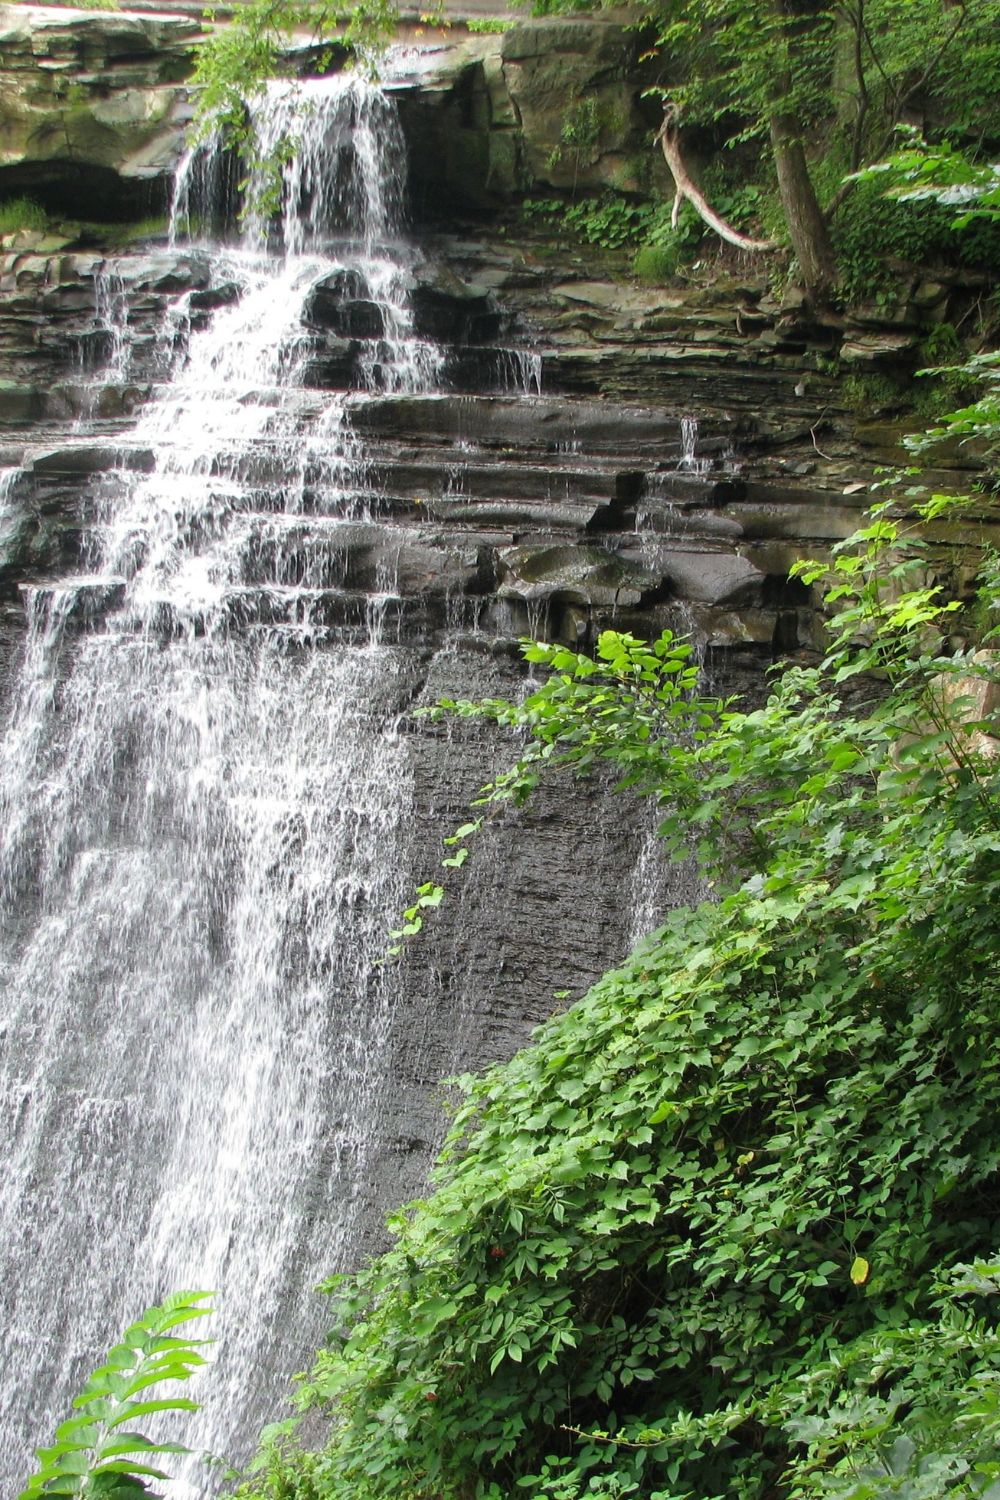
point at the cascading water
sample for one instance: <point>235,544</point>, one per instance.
<point>201,813</point>
<point>8,479</point>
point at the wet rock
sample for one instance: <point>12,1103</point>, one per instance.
<point>327,298</point>
<point>165,271</point>
<point>444,308</point>
<point>573,575</point>
<point>19,403</point>
<point>207,299</point>
<point>358,320</point>
<point>331,363</point>
<point>90,458</point>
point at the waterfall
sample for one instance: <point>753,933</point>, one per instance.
<point>8,479</point>
<point>691,462</point>
<point>200,845</point>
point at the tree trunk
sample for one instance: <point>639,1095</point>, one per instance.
<point>807,228</point>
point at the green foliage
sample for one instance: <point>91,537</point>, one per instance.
<point>872,229</point>
<point>702,1238</point>
<point>610,222</point>
<point>872,393</point>
<point>979,419</point>
<point>428,896</point>
<point>852,70</point>
<point>615,222</point>
<point>741,61</point>
<point>914,1408</point>
<point>656,264</point>
<point>488,25</point>
<point>940,343</point>
<point>940,174</point>
<point>579,133</point>
<point>967,194</point>
<point>98,1452</point>
<point>21,213</point>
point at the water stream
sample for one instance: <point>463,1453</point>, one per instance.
<point>200,845</point>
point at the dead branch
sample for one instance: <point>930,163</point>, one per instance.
<point>668,136</point>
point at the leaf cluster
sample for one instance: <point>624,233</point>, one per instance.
<point>99,1452</point>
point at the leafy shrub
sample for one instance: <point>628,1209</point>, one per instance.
<point>610,222</point>
<point>660,230</point>
<point>21,213</point>
<point>871,228</point>
<point>615,222</point>
<point>96,1453</point>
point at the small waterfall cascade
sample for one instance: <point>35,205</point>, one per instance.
<point>657,884</point>
<point>667,487</point>
<point>200,847</point>
<point>8,478</point>
<point>690,461</point>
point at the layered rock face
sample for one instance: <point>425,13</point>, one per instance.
<point>599,454</point>
<point>693,444</point>
<point>91,120</point>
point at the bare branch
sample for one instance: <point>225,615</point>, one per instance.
<point>668,136</point>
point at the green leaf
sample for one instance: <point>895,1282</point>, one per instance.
<point>430,1313</point>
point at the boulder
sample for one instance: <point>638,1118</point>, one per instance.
<point>711,577</point>
<point>584,575</point>
<point>462,130</point>
<point>970,702</point>
<point>877,348</point>
<point>446,309</point>
<point>573,86</point>
<point>92,118</point>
